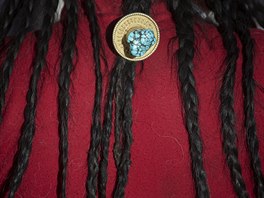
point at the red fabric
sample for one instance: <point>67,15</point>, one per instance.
<point>160,152</point>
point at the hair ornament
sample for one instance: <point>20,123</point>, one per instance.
<point>136,36</point>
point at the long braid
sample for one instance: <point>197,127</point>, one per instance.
<point>249,92</point>
<point>66,66</point>
<point>8,64</point>
<point>223,12</point>
<point>128,74</point>
<point>128,7</point>
<point>107,126</point>
<point>119,105</point>
<point>93,166</point>
<point>125,159</point>
<point>183,17</point>
<point>125,104</point>
<point>28,129</point>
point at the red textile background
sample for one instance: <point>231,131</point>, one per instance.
<point>160,152</point>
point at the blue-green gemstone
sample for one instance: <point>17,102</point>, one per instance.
<point>140,41</point>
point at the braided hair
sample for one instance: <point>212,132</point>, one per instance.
<point>93,166</point>
<point>28,129</point>
<point>224,14</point>
<point>183,17</point>
<point>66,66</point>
<point>8,64</point>
<point>123,75</point>
<point>231,18</point>
<point>244,35</point>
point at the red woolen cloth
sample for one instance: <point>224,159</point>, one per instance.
<point>161,165</point>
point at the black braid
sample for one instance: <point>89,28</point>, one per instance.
<point>249,92</point>
<point>128,7</point>
<point>93,166</point>
<point>183,18</point>
<point>119,105</point>
<point>8,64</point>
<point>66,66</point>
<point>224,12</point>
<point>28,129</point>
<point>107,126</point>
<point>125,159</point>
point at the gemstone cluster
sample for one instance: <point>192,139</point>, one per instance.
<point>140,41</point>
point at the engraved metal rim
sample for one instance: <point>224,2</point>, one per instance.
<point>156,31</point>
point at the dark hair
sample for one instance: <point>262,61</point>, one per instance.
<point>256,10</point>
<point>68,49</point>
<point>231,17</point>
<point>93,166</point>
<point>183,17</point>
<point>223,11</point>
<point>234,17</point>
<point>13,48</point>
<point>241,28</point>
<point>28,129</point>
<point>122,85</point>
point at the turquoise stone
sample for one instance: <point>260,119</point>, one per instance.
<point>140,41</point>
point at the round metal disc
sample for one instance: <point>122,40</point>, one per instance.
<point>131,22</point>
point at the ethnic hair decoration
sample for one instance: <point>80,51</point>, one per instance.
<point>136,36</point>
